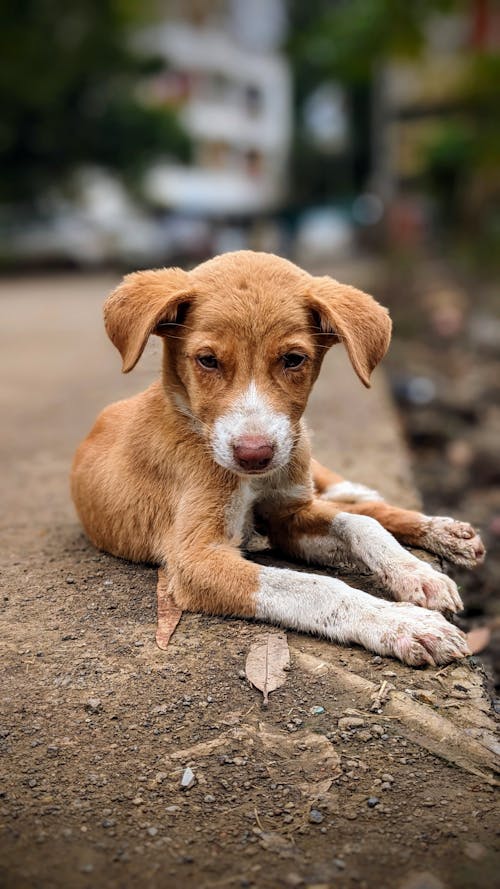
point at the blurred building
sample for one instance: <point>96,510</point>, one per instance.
<point>415,97</point>
<point>232,87</point>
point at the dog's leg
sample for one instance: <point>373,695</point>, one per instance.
<point>456,541</point>
<point>330,535</point>
<point>330,486</point>
<point>213,577</point>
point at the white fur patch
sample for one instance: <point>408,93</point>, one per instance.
<point>239,525</point>
<point>361,541</point>
<point>251,414</point>
<point>329,607</point>
<point>350,492</point>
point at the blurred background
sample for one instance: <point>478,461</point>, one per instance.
<point>344,134</point>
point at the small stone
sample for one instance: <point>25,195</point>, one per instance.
<point>171,810</point>
<point>350,722</point>
<point>108,822</point>
<point>340,863</point>
<point>372,801</point>
<point>377,660</point>
<point>152,831</point>
<point>209,798</point>
<point>386,785</point>
<point>293,880</point>
<point>70,580</point>
<point>241,674</point>
<point>93,705</point>
<point>387,777</point>
<point>137,801</point>
<point>377,730</point>
<point>365,736</point>
<point>188,779</point>
<point>315,816</point>
<point>316,711</point>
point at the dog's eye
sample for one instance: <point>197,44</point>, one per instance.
<point>293,360</point>
<point>209,362</point>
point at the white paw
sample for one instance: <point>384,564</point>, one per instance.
<point>417,636</point>
<point>350,492</point>
<point>417,582</point>
<point>456,541</point>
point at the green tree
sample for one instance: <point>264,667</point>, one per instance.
<point>68,77</point>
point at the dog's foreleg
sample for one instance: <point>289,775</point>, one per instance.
<point>329,535</point>
<point>216,579</point>
<point>456,541</point>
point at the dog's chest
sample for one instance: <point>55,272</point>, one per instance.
<point>239,514</point>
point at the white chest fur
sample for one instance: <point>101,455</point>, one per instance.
<point>239,514</point>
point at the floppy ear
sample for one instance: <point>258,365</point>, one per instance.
<point>137,307</point>
<point>354,318</point>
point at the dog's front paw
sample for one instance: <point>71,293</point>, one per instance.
<point>419,637</point>
<point>456,541</point>
<point>420,584</point>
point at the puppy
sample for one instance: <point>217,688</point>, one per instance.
<point>180,474</point>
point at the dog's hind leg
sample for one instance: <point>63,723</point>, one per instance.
<point>331,486</point>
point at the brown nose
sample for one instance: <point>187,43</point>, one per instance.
<point>253,452</point>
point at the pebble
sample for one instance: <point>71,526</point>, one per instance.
<point>365,736</point>
<point>316,711</point>
<point>348,722</point>
<point>188,779</point>
<point>387,777</point>
<point>93,705</point>
<point>209,798</point>
<point>171,810</point>
<point>372,801</point>
<point>152,831</point>
<point>315,816</point>
<point>108,822</point>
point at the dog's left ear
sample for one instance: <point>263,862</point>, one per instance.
<point>353,318</point>
<point>139,306</point>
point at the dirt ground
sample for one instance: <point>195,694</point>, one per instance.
<point>97,725</point>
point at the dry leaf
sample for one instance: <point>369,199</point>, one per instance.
<point>169,614</point>
<point>266,663</point>
<point>478,639</point>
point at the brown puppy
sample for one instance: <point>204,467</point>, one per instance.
<point>177,474</point>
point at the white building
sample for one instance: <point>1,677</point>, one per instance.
<point>232,89</point>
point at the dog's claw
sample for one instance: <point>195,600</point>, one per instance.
<point>419,637</point>
<point>420,584</point>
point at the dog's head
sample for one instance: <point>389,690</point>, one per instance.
<point>245,335</point>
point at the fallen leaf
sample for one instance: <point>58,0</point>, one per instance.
<point>478,639</point>
<point>169,614</point>
<point>266,663</point>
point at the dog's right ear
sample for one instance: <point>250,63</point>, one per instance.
<point>139,305</point>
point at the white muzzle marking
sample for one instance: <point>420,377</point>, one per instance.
<point>251,414</point>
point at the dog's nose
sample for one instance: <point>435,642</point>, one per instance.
<point>253,452</point>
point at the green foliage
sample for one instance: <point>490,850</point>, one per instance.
<point>346,39</point>
<point>67,82</point>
